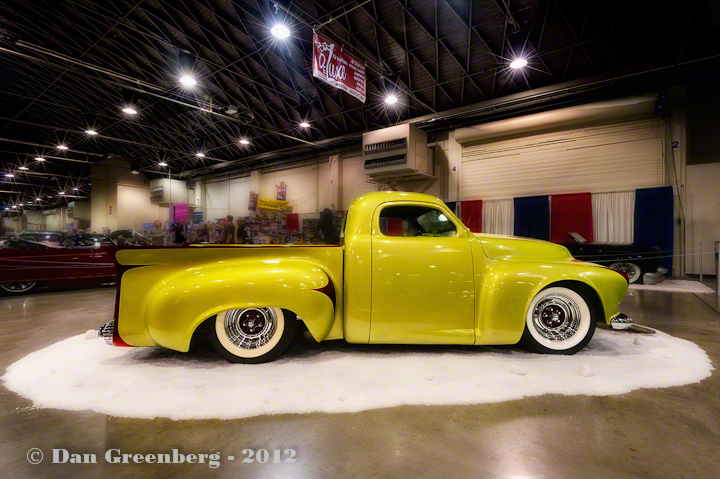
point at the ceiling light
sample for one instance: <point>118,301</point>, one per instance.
<point>244,142</point>
<point>49,196</point>
<point>75,189</point>
<point>129,110</point>
<point>188,81</point>
<point>62,147</point>
<point>305,124</point>
<point>200,154</point>
<point>162,163</point>
<point>39,158</point>
<point>91,132</point>
<point>518,63</point>
<point>37,199</point>
<point>23,168</point>
<point>61,193</point>
<point>280,31</point>
<point>13,206</point>
<point>9,175</point>
<point>391,99</point>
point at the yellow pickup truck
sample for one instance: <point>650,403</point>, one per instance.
<point>407,271</point>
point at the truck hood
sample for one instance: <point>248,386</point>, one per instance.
<point>513,247</point>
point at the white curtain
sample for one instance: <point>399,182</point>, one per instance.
<point>498,216</point>
<point>613,217</point>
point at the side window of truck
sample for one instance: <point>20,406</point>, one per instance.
<point>413,220</point>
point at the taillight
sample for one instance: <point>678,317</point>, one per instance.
<point>624,275</point>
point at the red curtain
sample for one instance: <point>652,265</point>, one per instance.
<point>394,227</point>
<point>472,215</point>
<point>570,213</point>
<point>293,222</point>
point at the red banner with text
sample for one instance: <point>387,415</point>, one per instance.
<point>339,69</point>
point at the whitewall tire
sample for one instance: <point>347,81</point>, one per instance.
<point>19,287</point>
<point>558,321</point>
<point>633,271</point>
<point>252,335</point>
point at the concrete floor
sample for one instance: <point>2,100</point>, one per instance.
<point>656,433</point>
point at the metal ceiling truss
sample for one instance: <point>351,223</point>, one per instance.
<point>73,57</point>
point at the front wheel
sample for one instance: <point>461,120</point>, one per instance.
<point>19,287</point>
<point>252,335</point>
<point>559,321</point>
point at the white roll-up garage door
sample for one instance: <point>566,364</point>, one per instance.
<point>616,156</point>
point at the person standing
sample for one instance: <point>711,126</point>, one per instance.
<point>326,230</point>
<point>228,234</point>
<point>157,234</point>
<point>179,235</point>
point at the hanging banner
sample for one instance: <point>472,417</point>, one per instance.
<point>271,204</point>
<point>339,69</point>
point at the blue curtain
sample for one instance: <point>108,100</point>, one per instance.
<point>532,217</point>
<point>654,220</point>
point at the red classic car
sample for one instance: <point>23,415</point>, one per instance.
<point>26,265</point>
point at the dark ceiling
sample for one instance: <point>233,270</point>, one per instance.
<point>64,63</point>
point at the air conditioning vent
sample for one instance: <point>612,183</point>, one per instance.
<point>385,161</point>
<point>383,145</point>
<point>397,154</point>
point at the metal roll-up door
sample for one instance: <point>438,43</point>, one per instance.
<point>615,156</point>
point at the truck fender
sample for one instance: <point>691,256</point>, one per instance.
<point>180,301</point>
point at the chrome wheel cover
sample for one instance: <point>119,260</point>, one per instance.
<point>250,328</point>
<point>556,317</point>
<point>19,287</point>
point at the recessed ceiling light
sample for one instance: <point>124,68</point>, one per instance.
<point>518,63</point>
<point>200,154</point>
<point>391,99</point>
<point>9,175</point>
<point>61,193</point>
<point>37,199</point>
<point>13,206</point>
<point>130,110</point>
<point>162,163</point>
<point>280,31</point>
<point>244,142</point>
<point>91,132</point>
<point>62,147</point>
<point>39,158</point>
<point>23,168</point>
<point>304,124</point>
<point>75,189</point>
<point>188,81</point>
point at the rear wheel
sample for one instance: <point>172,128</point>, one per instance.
<point>252,335</point>
<point>633,271</point>
<point>559,321</point>
<point>19,287</point>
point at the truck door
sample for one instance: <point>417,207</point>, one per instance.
<point>422,277</point>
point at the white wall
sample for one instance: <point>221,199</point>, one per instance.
<point>703,215</point>
<point>227,197</point>
<point>134,208</point>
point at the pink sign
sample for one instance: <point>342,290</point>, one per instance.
<point>181,212</point>
<point>339,69</point>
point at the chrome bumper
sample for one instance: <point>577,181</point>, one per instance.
<point>106,332</point>
<point>621,321</point>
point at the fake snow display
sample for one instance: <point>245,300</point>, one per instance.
<point>675,286</point>
<point>80,373</point>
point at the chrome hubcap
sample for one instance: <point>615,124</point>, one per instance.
<point>250,328</point>
<point>556,317</point>
<point>18,287</point>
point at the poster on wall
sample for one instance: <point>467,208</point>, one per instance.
<point>337,68</point>
<point>181,212</point>
<point>252,203</point>
<point>281,191</point>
